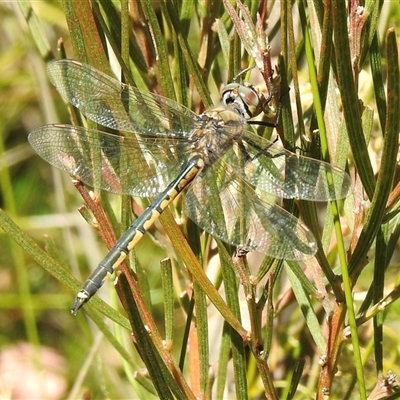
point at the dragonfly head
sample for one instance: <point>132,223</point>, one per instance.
<point>244,98</point>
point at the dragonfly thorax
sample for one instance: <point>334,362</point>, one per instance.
<point>219,127</point>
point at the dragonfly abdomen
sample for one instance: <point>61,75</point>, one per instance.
<point>135,232</point>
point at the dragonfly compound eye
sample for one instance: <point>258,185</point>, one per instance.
<point>244,97</point>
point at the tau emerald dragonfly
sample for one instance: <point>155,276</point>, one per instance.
<point>229,172</point>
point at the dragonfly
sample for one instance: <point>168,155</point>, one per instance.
<point>231,175</point>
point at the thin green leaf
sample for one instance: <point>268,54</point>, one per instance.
<point>303,299</point>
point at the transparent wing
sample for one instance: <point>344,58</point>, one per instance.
<point>135,166</point>
<point>271,168</point>
<point>111,103</point>
<point>224,205</point>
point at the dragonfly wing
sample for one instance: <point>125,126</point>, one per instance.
<point>273,169</point>
<point>118,106</point>
<point>139,167</point>
<point>226,206</point>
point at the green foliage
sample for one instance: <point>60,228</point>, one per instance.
<point>204,323</point>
